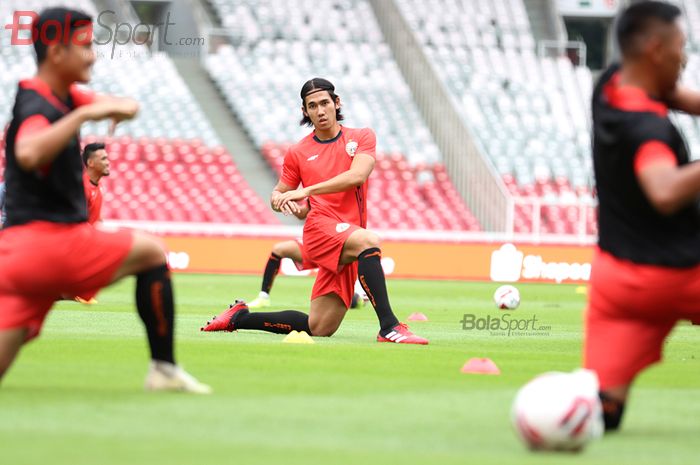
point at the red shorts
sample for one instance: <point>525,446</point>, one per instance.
<point>323,244</point>
<point>306,263</point>
<point>42,261</point>
<point>631,310</point>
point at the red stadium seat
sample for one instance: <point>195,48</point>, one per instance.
<point>175,180</point>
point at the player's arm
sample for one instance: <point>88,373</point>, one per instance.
<point>278,190</point>
<point>39,142</point>
<point>290,208</point>
<point>684,99</point>
<point>360,169</point>
<point>299,209</point>
<point>667,186</point>
<point>117,102</point>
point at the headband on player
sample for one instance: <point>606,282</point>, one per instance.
<point>314,85</point>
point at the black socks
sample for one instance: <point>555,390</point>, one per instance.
<point>273,322</point>
<point>154,300</point>
<point>271,269</point>
<point>371,276</point>
<point>612,412</point>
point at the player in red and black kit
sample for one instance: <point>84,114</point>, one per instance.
<point>646,269</point>
<point>96,164</point>
<point>47,248</point>
<point>96,161</point>
<point>332,164</point>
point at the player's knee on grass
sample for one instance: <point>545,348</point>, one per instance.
<point>323,327</point>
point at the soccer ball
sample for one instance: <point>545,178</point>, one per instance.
<point>507,297</point>
<point>559,411</point>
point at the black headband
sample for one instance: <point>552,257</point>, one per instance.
<point>314,85</point>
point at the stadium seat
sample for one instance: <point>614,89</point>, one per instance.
<point>270,35</point>
<point>168,108</point>
<point>529,113</point>
<point>195,184</point>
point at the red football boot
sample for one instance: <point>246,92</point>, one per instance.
<point>225,320</point>
<point>400,334</point>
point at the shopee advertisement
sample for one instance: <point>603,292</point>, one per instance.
<point>403,259</point>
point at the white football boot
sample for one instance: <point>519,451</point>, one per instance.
<point>164,376</point>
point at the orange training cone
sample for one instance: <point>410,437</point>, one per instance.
<point>481,366</point>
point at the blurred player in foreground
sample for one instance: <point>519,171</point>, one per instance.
<point>47,248</point>
<point>333,164</point>
<point>646,270</point>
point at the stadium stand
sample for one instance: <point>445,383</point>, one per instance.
<point>687,124</point>
<point>270,36</point>
<point>167,165</point>
<point>355,57</point>
<point>168,108</point>
<point>177,180</point>
<point>529,114</point>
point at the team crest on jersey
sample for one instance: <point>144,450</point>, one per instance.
<point>351,148</point>
<point>341,227</point>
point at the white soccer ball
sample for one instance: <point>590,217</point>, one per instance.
<point>559,411</point>
<point>507,297</point>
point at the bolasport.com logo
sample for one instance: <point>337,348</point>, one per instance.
<point>105,30</point>
<point>505,324</point>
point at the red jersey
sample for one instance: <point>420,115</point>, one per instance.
<point>311,161</point>
<point>93,194</point>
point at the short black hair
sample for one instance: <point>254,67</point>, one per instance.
<point>636,21</point>
<point>49,25</point>
<point>314,85</point>
<point>90,149</point>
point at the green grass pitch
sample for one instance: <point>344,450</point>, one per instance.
<point>75,396</point>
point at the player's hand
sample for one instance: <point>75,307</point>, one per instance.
<point>290,208</point>
<point>273,203</point>
<point>290,196</point>
<point>116,109</point>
